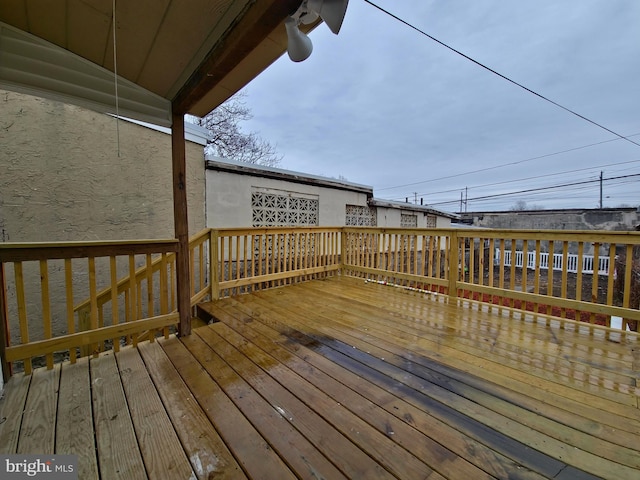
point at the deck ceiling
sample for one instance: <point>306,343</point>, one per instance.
<point>192,54</point>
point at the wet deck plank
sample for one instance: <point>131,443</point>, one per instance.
<point>74,422</point>
<point>344,379</point>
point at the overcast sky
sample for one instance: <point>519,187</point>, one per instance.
<point>382,105</point>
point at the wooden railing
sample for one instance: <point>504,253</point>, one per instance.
<point>62,300</point>
<point>463,264</point>
<point>253,259</point>
<point>39,285</point>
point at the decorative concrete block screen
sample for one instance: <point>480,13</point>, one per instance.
<point>361,216</point>
<point>283,209</point>
<point>409,221</point>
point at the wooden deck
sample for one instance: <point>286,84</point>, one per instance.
<point>344,379</point>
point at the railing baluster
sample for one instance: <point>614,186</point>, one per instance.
<point>68,287</point>
<point>22,312</point>
<point>595,279</point>
<point>611,277</point>
<point>46,307</point>
<point>565,265</point>
<point>93,295</point>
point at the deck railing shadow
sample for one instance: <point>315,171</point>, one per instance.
<point>65,300</point>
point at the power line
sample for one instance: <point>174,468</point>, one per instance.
<point>525,178</point>
<point>539,189</point>
<point>504,77</point>
<point>517,162</point>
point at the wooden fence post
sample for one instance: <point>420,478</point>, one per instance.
<point>214,277</point>
<point>453,264</point>
<point>343,251</point>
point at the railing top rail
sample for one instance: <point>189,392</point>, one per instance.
<point>19,252</point>
<point>400,230</point>
<point>273,230</point>
<point>593,236</point>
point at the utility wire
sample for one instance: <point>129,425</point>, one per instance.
<point>517,162</point>
<point>539,189</point>
<point>504,77</point>
<point>522,179</point>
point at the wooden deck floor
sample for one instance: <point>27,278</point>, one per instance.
<point>343,379</point>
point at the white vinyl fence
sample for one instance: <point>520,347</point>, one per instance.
<point>572,262</point>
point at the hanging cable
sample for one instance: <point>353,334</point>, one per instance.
<point>517,162</point>
<point>115,79</point>
<point>504,77</point>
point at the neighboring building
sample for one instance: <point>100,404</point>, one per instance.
<point>244,195</point>
<point>399,214</point>
<point>561,219</point>
<point>68,175</point>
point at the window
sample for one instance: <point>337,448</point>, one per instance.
<point>359,216</point>
<point>272,208</point>
<point>431,221</point>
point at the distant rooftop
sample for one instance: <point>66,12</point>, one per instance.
<point>375,202</point>
<point>242,168</point>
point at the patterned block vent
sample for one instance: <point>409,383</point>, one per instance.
<point>283,210</point>
<point>361,216</point>
<point>407,220</point>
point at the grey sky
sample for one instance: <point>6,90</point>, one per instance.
<point>383,105</point>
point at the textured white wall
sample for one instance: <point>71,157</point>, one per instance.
<point>229,199</point>
<point>61,179</point>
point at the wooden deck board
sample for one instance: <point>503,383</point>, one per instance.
<point>344,379</point>
<point>118,451</point>
<point>11,409</point>
<point>387,413</point>
<point>37,432</point>
<point>327,427</point>
<point>207,452</point>
<point>253,453</point>
<point>155,434</point>
<point>74,422</point>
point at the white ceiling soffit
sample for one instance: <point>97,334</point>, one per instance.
<point>31,65</point>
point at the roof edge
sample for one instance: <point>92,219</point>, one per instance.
<point>231,166</point>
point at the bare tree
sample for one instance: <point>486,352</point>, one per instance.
<point>227,139</point>
<point>519,206</point>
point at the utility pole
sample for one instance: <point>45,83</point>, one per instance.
<point>601,189</point>
<point>466,196</point>
<point>415,198</point>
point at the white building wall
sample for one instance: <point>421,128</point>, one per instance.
<point>228,198</point>
<point>390,218</point>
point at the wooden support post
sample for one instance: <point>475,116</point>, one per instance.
<point>4,325</point>
<point>181,224</point>
<point>343,252</point>
<point>453,264</point>
<point>214,277</point>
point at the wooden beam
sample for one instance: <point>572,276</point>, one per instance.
<point>24,252</point>
<point>257,23</point>
<point>181,223</point>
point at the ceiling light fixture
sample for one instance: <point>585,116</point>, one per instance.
<point>332,12</point>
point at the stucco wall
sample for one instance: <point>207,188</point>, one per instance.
<point>390,217</point>
<point>62,178</point>
<point>229,199</point>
